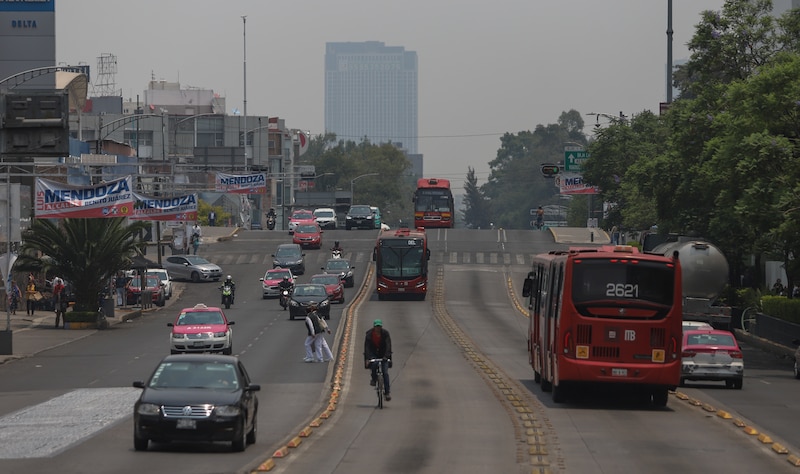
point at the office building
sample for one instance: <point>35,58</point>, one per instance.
<point>371,92</point>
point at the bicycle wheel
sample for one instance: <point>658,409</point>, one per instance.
<point>379,389</point>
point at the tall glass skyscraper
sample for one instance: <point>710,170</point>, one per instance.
<point>371,91</point>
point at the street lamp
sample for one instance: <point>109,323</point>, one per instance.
<point>352,182</point>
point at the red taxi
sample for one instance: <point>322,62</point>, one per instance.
<point>301,216</point>
<point>333,285</point>
<point>201,328</point>
<point>270,284</point>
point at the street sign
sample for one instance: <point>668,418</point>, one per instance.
<point>573,159</point>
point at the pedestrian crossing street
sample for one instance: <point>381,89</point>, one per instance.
<point>316,259</point>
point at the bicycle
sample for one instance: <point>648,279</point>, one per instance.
<point>379,374</point>
<point>748,318</point>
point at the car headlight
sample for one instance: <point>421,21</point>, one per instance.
<point>325,303</point>
<point>148,409</point>
<point>178,336</point>
<point>293,303</point>
<point>227,410</point>
<point>276,263</point>
<point>221,334</point>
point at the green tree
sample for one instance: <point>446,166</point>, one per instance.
<point>476,212</point>
<point>87,253</point>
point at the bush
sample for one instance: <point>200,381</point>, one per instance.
<point>781,307</point>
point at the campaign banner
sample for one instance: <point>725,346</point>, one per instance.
<point>59,200</point>
<point>572,183</point>
<point>177,208</point>
<point>241,183</point>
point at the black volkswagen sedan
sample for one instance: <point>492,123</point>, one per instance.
<point>196,397</point>
<point>306,294</point>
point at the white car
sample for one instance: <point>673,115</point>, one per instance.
<point>163,275</point>
<point>325,217</point>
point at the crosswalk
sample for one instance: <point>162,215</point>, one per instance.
<point>318,259</point>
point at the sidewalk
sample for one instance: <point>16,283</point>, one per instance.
<point>33,334</point>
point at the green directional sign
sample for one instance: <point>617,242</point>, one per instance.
<point>573,159</point>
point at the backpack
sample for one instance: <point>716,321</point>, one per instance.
<point>316,322</point>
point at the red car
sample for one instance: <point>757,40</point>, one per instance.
<point>308,236</point>
<point>712,354</point>
<point>333,285</point>
<point>152,284</point>
<point>302,216</point>
<point>201,328</point>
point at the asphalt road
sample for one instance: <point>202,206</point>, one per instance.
<point>463,395</point>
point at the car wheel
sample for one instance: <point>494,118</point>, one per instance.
<point>240,442</point>
<point>251,435</point>
<point>228,351</point>
<point>195,277</point>
<point>139,444</point>
<point>735,384</point>
<point>682,382</point>
<point>341,300</point>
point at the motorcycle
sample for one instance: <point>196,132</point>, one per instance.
<point>271,222</point>
<point>284,300</point>
<point>227,296</point>
<point>336,253</point>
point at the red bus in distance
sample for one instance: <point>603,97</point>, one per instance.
<point>605,315</point>
<point>401,263</point>
<point>433,203</point>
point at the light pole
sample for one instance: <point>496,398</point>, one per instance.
<point>352,182</point>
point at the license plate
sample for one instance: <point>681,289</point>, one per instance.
<point>400,290</point>
<point>186,424</point>
<point>619,372</point>
<point>198,343</point>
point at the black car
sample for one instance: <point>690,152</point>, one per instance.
<point>341,267</point>
<point>360,217</point>
<point>196,397</point>
<point>289,256</point>
<point>306,293</point>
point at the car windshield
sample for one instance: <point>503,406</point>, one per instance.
<point>338,264</point>
<point>310,290</point>
<point>287,252</point>
<point>200,317</point>
<point>195,260</point>
<point>207,375</point>
<point>324,213</point>
<point>277,275</point>
<point>306,229</point>
<point>152,281</point>
<point>326,280</point>
<point>161,274</point>
<point>360,211</point>
<point>302,215</point>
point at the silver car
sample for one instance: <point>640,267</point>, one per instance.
<point>192,267</point>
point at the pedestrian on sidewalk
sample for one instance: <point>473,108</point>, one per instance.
<point>212,218</point>
<point>119,285</point>
<point>14,296</point>
<point>30,295</point>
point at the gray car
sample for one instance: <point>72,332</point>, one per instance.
<point>289,256</point>
<point>192,267</point>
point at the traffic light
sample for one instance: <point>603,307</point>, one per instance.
<point>549,170</point>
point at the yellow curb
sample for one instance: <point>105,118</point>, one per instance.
<point>267,465</point>
<point>793,460</point>
<point>764,438</point>
<point>750,430</point>
<point>281,452</point>
<point>739,423</point>
<point>709,408</point>
<point>325,415</point>
<point>724,415</point>
<point>778,448</point>
<point>305,432</point>
<point>295,442</point>
<point>331,407</point>
<point>316,423</point>
<point>681,395</point>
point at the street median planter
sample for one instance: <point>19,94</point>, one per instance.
<point>80,320</point>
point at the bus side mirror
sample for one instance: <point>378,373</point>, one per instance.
<point>427,254</point>
<point>374,255</point>
<point>527,286</point>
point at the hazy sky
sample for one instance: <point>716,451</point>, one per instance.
<point>485,68</point>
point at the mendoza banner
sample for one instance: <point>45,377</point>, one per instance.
<point>241,183</point>
<point>572,183</point>
<point>109,199</point>
<point>178,208</point>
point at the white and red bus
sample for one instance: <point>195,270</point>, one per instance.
<point>606,314</point>
<point>401,263</point>
<point>433,203</point>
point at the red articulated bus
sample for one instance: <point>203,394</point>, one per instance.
<point>401,263</point>
<point>606,314</point>
<point>433,203</point>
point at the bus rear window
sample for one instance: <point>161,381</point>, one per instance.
<point>601,279</point>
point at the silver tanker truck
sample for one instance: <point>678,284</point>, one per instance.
<point>704,274</point>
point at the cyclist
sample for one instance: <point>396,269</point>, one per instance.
<point>378,345</point>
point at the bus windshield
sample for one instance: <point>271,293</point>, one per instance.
<point>432,200</point>
<point>401,262</point>
<point>597,280</point>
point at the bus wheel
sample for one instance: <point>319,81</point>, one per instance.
<point>660,397</point>
<point>546,385</point>
<point>537,377</point>
<point>559,393</point>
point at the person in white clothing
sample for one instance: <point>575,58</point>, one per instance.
<point>313,327</point>
<point>322,351</point>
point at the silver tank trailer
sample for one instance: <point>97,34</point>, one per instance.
<point>704,267</point>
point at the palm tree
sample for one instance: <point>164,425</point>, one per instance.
<point>84,252</point>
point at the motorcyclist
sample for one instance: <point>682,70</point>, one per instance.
<point>229,282</point>
<point>271,213</point>
<point>336,248</point>
<point>285,284</point>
